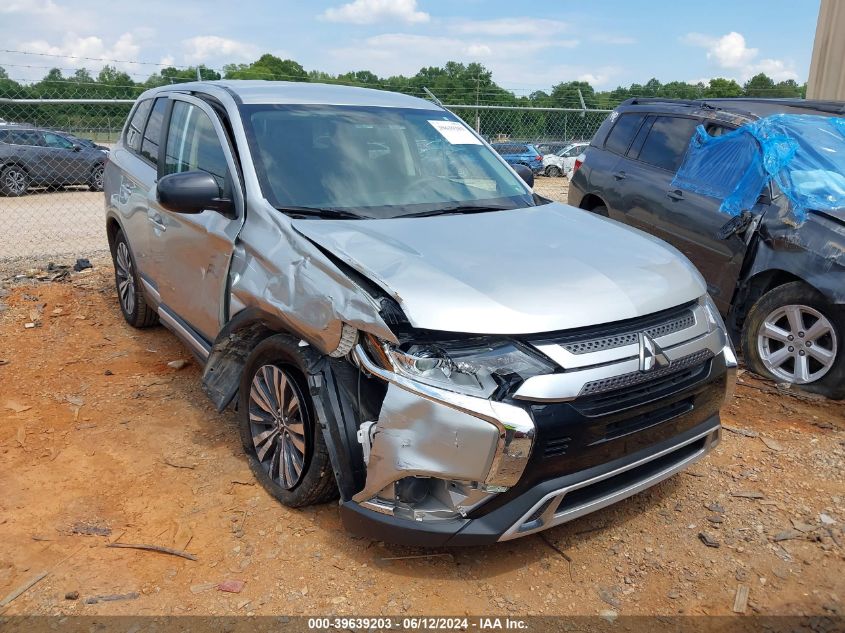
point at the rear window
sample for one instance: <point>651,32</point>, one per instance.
<point>152,133</point>
<point>667,142</point>
<point>623,132</point>
<point>136,125</point>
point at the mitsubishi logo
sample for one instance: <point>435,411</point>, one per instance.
<point>651,356</point>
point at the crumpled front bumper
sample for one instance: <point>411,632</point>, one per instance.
<point>544,505</point>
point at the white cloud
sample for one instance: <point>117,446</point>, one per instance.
<point>29,6</point>
<point>371,11</point>
<point>205,48</point>
<point>731,52</point>
<point>89,51</point>
<point>509,26</point>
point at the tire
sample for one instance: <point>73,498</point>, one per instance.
<point>286,453</point>
<point>600,210</point>
<point>95,180</point>
<point>553,171</point>
<point>793,334</point>
<point>130,297</point>
<point>14,181</point>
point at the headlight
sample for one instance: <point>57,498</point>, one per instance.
<point>713,316</point>
<point>476,367</point>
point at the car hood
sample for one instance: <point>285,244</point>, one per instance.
<point>538,269</point>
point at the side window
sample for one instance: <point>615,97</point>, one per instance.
<point>152,133</point>
<point>136,125</point>
<point>192,144</point>
<point>667,142</point>
<point>4,136</point>
<point>54,140</point>
<point>623,132</point>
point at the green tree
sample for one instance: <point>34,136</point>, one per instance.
<point>267,67</point>
<point>720,87</point>
<point>760,85</point>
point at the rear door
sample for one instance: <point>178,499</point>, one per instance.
<point>137,179</point>
<point>605,169</point>
<point>193,252</point>
<point>687,220</point>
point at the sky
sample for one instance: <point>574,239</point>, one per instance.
<point>528,45</point>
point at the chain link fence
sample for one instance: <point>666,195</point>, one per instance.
<point>52,153</point>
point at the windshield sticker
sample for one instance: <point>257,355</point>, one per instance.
<point>455,133</point>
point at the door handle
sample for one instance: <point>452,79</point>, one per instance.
<point>156,222</point>
<point>619,175</point>
<point>675,194</point>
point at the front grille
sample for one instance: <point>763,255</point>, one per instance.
<point>637,378</point>
<point>675,324</point>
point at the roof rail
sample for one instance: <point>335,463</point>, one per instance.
<point>698,103</point>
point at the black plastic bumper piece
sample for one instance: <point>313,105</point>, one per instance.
<point>490,527</point>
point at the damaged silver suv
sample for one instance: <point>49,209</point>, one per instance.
<point>399,320</point>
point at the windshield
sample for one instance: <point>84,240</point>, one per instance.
<point>375,162</point>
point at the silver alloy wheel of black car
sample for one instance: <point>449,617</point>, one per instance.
<point>125,278</point>
<point>277,425</point>
<point>797,344</point>
<point>15,181</point>
<point>97,177</point>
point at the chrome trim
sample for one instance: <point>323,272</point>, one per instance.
<point>515,426</point>
<point>550,518</point>
<point>568,360</point>
<point>565,386</point>
<point>152,293</point>
<point>731,364</point>
<point>199,347</point>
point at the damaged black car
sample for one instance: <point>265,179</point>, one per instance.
<point>752,191</point>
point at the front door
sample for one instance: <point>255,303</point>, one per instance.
<point>193,251</point>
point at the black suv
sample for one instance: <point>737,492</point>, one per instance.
<point>780,284</point>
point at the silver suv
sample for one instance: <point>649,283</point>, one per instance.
<point>399,320</point>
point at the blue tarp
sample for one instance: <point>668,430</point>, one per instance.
<point>803,154</point>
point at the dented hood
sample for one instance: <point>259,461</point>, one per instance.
<point>538,269</point>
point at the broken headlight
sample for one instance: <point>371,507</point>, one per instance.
<point>713,317</point>
<point>475,367</point>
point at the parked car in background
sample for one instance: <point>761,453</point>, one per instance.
<point>780,285</point>
<point>552,147</point>
<point>87,143</point>
<point>31,157</point>
<point>460,360</point>
<point>563,162</point>
<point>520,154</point>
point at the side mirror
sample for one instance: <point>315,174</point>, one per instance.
<point>76,148</point>
<point>525,173</point>
<point>192,192</point>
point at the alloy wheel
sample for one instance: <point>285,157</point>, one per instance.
<point>14,181</point>
<point>277,425</point>
<point>97,177</point>
<point>797,344</point>
<point>125,278</point>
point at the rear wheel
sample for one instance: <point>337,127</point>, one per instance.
<point>793,334</point>
<point>600,210</point>
<point>14,181</point>
<point>553,171</point>
<point>133,304</point>
<point>278,426</point>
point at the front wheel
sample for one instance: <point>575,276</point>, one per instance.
<point>793,334</point>
<point>553,171</point>
<point>278,426</point>
<point>95,180</point>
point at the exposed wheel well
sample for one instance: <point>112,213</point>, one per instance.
<point>14,163</point>
<point>752,290</point>
<point>112,227</point>
<point>591,201</point>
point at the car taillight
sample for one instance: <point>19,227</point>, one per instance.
<point>578,162</point>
